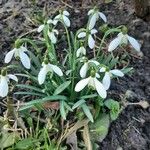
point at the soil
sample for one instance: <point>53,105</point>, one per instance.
<point>131,131</point>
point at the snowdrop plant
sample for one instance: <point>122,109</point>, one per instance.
<point>108,74</point>
<point>4,80</point>
<point>123,38</point>
<point>94,15</point>
<point>85,58</point>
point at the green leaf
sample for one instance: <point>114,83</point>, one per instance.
<point>67,106</point>
<point>114,108</point>
<point>25,144</point>
<point>78,103</point>
<point>8,139</point>
<point>48,98</point>
<point>62,110</point>
<point>99,129</point>
<point>62,87</point>
<point>89,96</point>
<point>87,112</point>
<point>29,93</point>
<point>127,70</point>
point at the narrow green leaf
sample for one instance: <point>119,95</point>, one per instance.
<point>30,87</point>
<point>89,96</point>
<point>62,87</point>
<point>87,112</point>
<point>42,100</point>
<point>78,103</point>
<point>62,110</point>
<point>67,106</point>
<point>29,93</point>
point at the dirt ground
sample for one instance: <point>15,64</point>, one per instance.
<point>131,131</point>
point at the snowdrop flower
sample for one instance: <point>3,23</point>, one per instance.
<point>64,17</point>
<point>81,51</point>
<point>123,39</point>
<point>4,79</point>
<point>19,52</point>
<point>94,15</point>
<point>52,35</point>
<point>91,41</point>
<point>40,28</point>
<point>47,67</point>
<point>91,82</point>
<point>108,74</point>
<point>85,67</point>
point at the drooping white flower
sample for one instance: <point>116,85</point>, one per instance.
<point>52,35</point>
<point>19,52</point>
<point>108,74</point>
<point>4,83</point>
<point>40,28</point>
<point>91,82</point>
<point>48,68</point>
<point>63,16</point>
<point>123,39</point>
<point>81,51</point>
<point>94,15</point>
<point>50,21</point>
<point>85,67</point>
<point>91,41</point>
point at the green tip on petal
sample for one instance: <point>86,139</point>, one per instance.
<point>124,30</point>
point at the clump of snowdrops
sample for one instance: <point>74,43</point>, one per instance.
<point>80,81</point>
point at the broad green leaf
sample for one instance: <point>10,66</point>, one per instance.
<point>62,110</point>
<point>62,87</point>
<point>8,139</point>
<point>78,103</point>
<point>87,112</point>
<point>99,129</point>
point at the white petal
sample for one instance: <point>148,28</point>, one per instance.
<point>106,80</point>
<point>66,13</point>
<point>117,72</point>
<point>50,21</point>
<point>56,69</point>
<point>103,69</point>
<point>114,44</point>
<point>40,28</point>
<point>93,31</point>
<point>66,21</point>
<point>84,70</point>
<point>81,84</point>
<point>82,34</point>
<point>57,17</point>
<point>103,16</point>
<point>91,42</point>
<point>52,37</point>
<point>100,88</point>
<point>55,31</point>
<point>13,77</point>
<point>97,75</point>
<point>134,43</point>
<point>90,11</point>
<point>80,51</point>
<point>42,75</point>
<point>25,60</point>
<point>55,22</point>
<point>92,21</point>
<point>3,86</point>
<point>9,56</point>
<point>95,62</point>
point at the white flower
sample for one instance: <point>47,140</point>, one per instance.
<point>92,82</point>
<point>123,39</point>
<point>91,41</point>
<point>50,21</point>
<point>94,15</point>
<point>81,51</point>
<point>19,52</point>
<point>64,17</point>
<point>52,35</point>
<point>85,67</point>
<point>40,28</point>
<point>107,77</point>
<point>45,69</point>
<point>4,83</point>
